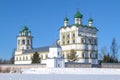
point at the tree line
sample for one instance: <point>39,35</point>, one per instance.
<point>111,56</point>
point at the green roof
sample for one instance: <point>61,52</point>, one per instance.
<point>25,28</point>
<point>78,15</point>
<point>65,19</point>
<point>90,20</point>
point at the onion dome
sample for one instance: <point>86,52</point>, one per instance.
<point>90,20</point>
<point>66,19</point>
<point>78,15</point>
<point>25,28</point>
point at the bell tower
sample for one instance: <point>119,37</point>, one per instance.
<point>24,39</point>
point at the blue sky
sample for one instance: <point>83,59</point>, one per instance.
<point>45,17</point>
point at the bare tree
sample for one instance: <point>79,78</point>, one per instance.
<point>114,49</point>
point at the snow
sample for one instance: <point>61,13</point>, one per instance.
<point>63,74</point>
<point>91,71</point>
<point>57,77</point>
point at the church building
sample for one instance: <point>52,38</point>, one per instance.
<point>78,37</point>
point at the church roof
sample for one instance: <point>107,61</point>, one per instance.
<point>55,44</point>
<point>65,19</point>
<point>78,15</point>
<point>90,20</point>
<point>78,25</point>
<point>41,49</point>
<point>25,28</point>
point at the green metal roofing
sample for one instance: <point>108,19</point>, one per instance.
<point>25,28</point>
<point>90,20</point>
<point>25,31</point>
<point>66,19</point>
<point>78,15</point>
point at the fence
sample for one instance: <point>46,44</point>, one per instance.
<point>77,65</point>
<point>18,67</point>
<point>110,65</point>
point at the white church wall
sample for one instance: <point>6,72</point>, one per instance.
<point>23,62</point>
<point>50,63</point>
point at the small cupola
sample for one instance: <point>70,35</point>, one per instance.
<point>25,32</point>
<point>78,17</point>
<point>66,21</point>
<point>90,22</point>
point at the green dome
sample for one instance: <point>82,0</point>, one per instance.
<point>90,20</point>
<point>78,15</point>
<point>25,28</point>
<point>65,19</point>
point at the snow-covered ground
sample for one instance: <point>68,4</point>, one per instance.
<point>64,74</point>
<point>57,77</point>
<point>99,71</point>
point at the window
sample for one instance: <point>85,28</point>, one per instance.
<point>28,42</point>
<point>63,42</point>
<point>28,47</point>
<point>73,35</point>
<point>73,41</point>
<point>26,58</point>
<point>46,56</point>
<point>96,55</point>
<point>16,58</point>
<point>23,41</point>
<point>63,37</point>
<point>18,41</point>
<point>58,65</point>
<point>83,55</point>
<point>20,58</point>
<point>90,55</point>
<point>68,42</point>
<point>63,56</point>
<point>68,36</point>
<point>82,41</point>
<point>89,41</point>
<point>95,41</point>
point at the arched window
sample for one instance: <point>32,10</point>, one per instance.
<point>23,41</point>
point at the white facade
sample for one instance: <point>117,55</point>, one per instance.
<point>55,59</point>
<point>81,38</point>
<point>78,37</point>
